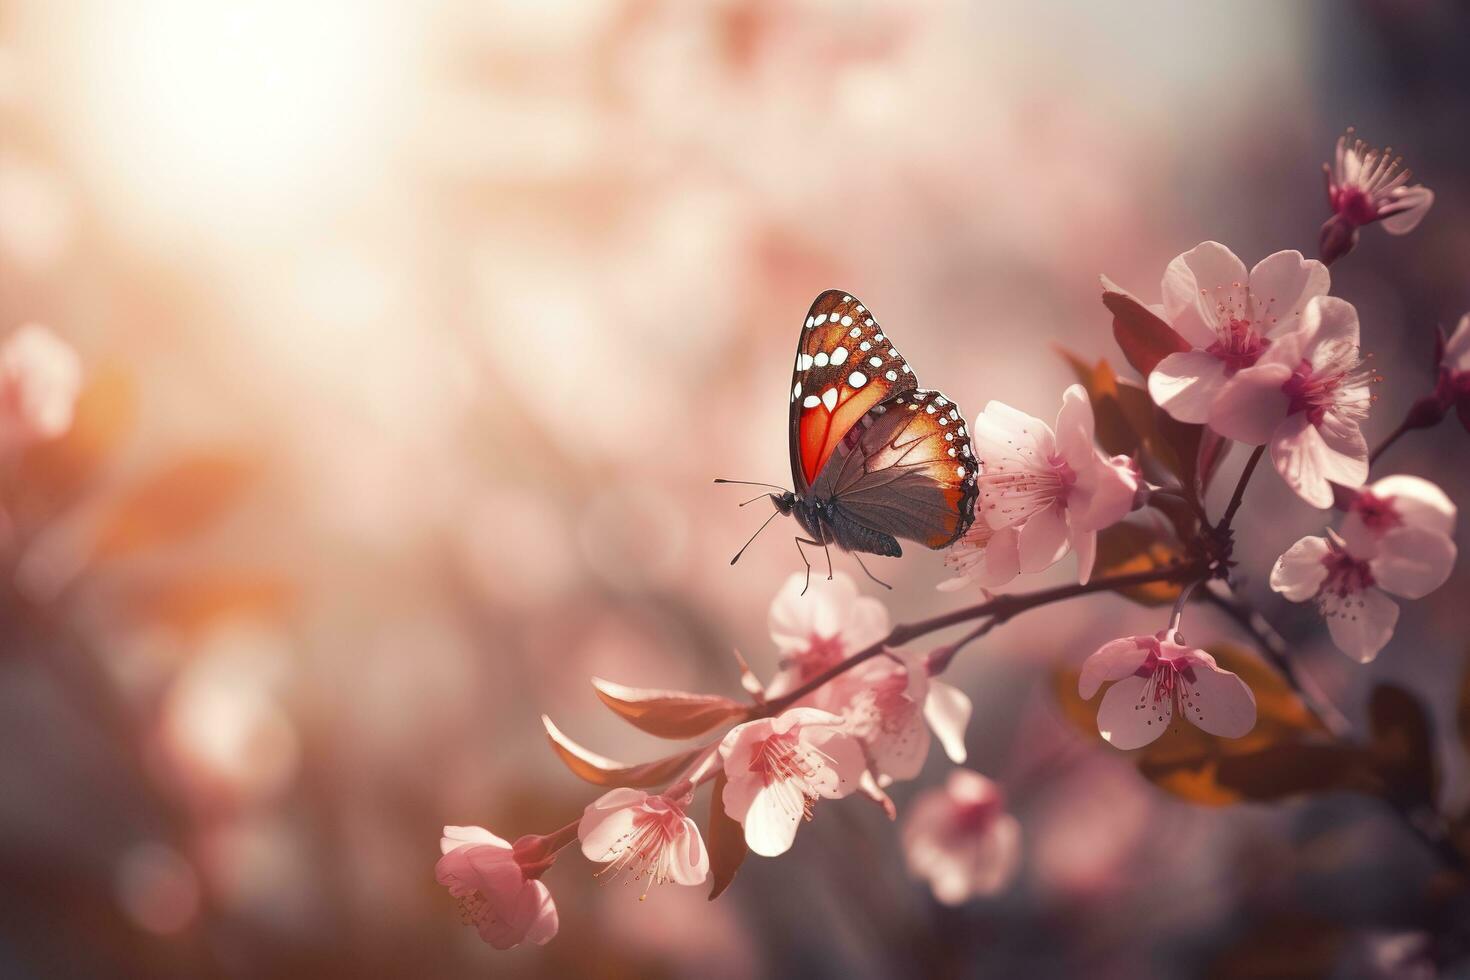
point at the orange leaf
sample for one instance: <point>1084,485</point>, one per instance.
<point>1126,548</point>
<point>725,839</point>
<point>667,714</point>
<point>192,604</point>
<point>1403,746</point>
<point>175,503</point>
<point>602,771</point>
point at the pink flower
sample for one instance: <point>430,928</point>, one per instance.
<point>1394,502</point>
<point>777,768</point>
<point>1367,185</point>
<point>495,894</point>
<point>1454,372</point>
<point>40,378</point>
<point>890,704</point>
<point>819,630</point>
<point>1230,317</point>
<point>1351,580</point>
<point>640,835</point>
<point>1307,396</point>
<point>1042,493</point>
<point>1157,677</point>
<point>961,839</point>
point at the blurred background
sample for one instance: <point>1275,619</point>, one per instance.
<point>413,336</point>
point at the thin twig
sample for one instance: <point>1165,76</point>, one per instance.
<point>1393,437</point>
<point>1239,495</point>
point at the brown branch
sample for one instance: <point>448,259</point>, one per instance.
<point>1239,495</point>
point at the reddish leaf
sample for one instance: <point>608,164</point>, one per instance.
<point>173,504</point>
<point>1212,451</point>
<point>1114,430</point>
<point>668,714</point>
<point>725,839</point>
<point>1126,548</point>
<point>1403,746</point>
<point>602,771</point>
<point>1144,337</point>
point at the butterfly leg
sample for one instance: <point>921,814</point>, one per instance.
<point>799,542</point>
<point>870,574</point>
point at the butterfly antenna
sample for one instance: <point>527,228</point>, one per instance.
<point>759,496</point>
<point>752,483</point>
<point>870,574</point>
<point>758,530</point>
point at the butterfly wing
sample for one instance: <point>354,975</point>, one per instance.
<point>907,469</point>
<point>845,365</point>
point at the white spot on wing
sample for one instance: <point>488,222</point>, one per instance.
<point>847,321</point>
<point>810,401</point>
<point>829,398</point>
<point>821,359</point>
<point>891,375</point>
<point>821,319</point>
<point>857,379</point>
<point>839,355</point>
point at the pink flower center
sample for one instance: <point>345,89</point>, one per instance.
<point>974,816</point>
<point>1171,681</point>
<point>647,850</point>
<point>1355,205</point>
<point>822,653</point>
<point>1339,389</point>
<point>1345,574</point>
<point>1066,477</point>
<point>1239,345</point>
<point>780,758</point>
<point>1377,513</point>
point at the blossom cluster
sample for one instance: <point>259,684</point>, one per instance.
<point>1264,356</point>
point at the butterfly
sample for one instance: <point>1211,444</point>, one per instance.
<point>874,457</point>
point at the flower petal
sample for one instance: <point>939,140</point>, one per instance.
<point>1128,716</point>
<point>1300,571</point>
<point>1361,623</point>
<point>947,710</point>
<point>1251,404</point>
<point>1103,494</point>
<point>608,821</point>
<point>1112,661</point>
<point>1085,544</point>
<point>774,815</point>
<point>1043,539</point>
<point>544,919</point>
<point>1185,384</point>
<point>1418,502</point>
<point>455,837</point>
<point>1311,458</point>
<point>1208,273</point>
<point>1457,348</point>
<point>1330,333</point>
<point>1222,703</point>
<point>1410,204</point>
<point>1075,438</point>
<point>689,864</point>
<point>1412,562</point>
<point>1281,285</point>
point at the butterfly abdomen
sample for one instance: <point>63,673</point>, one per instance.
<point>853,536</point>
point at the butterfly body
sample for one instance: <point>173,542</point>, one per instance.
<point>874,457</point>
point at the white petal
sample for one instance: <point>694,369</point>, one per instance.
<point>1412,562</point>
<point>1129,717</point>
<point>1085,544</point>
<point>1194,282</point>
<point>1281,285</point>
<point>1113,661</point>
<point>1361,623</point>
<point>1329,333</point>
<point>1251,404</point>
<point>1415,202</point>
<point>1222,703</point>
<point>774,815</point>
<point>1075,427</point>
<point>1043,539</point>
<point>947,710</point>
<point>1310,458</point>
<point>1186,383</point>
<point>1417,502</point>
<point>1300,572</point>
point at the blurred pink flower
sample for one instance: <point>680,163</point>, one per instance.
<point>1394,502</point>
<point>495,893</point>
<point>890,704</point>
<point>1230,317</point>
<point>1351,580</point>
<point>820,629</point>
<point>1307,396</point>
<point>1454,372</point>
<point>40,378</point>
<point>961,839</point>
<point>1156,677</point>
<point>1365,185</point>
<point>777,768</point>
<point>641,835</point>
<point>1042,493</point>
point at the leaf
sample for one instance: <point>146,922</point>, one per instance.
<point>602,771</point>
<point>1144,337</point>
<point>668,714</point>
<point>195,603</point>
<point>725,839</point>
<point>1288,752</point>
<point>1115,432</point>
<point>175,503</point>
<point>1212,451</point>
<point>1126,548</point>
<point>53,473</point>
<point>1403,746</point>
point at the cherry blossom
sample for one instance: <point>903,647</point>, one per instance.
<point>644,836</point>
<point>961,840</point>
<point>1229,316</point>
<point>1155,678</point>
<point>777,768</point>
<point>1307,397</point>
<point>1454,372</point>
<point>497,895</point>
<point>1394,502</point>
<point>1042,493</point>
<point>40,378</point>
<point>1365,185</point>
<point>891,704</point>
<point>820,629</point>
<point>1351,580</point>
